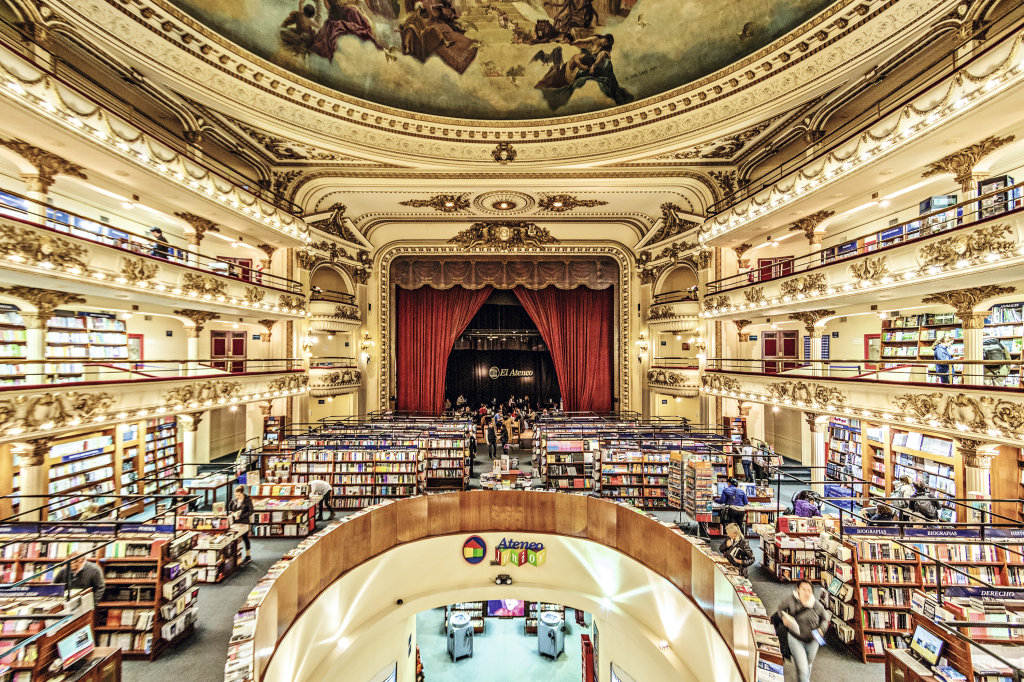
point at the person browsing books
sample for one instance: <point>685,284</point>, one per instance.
<point>324,490</point>
<point>806,622</point>
<point>733,501</point>
<point>240,511</point>
<point>737,550</point>
<point>804,505</point>
<point>941,349</point>
<point>747,458</point>
<point>84,574</point>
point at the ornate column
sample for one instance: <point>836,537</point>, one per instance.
<point>34,478</point>
<point>809,226</point>
<point>200,226</point>
<point>977,467</point>
<point>964,301</point>
<point>198,318</point>
<point>190,449</point>
<point>47,167</point>
<point>961,165</point>
<point>810,319</point>
<point>817,424</point>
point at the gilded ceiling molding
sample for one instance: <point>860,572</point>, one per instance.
<point>200,226</point>
<point>269,326</point>
<point>290,383</point>
<point>811,317</point>
<point>715,302</point>
<point>289,150</point>
<point>801,393</point>
<point>623,352</point>
<point>717,382</point>
<point>560,203</point>
<point>254,296</point>
<point>872,270</point>
<point>335,225</point>
<point>504,236</point>
<point>674,380</point>
<point>202,393</point>
<point>198,317</point>
<point>964,301</point>
<point>723,148</point>
<point>754,295</point>
<point>206,286</point>
<point>388,129</point>
<point>52,410</point>
<point>961,164</point>
<point>446,203</point>
<point>662,312</point>
<point>674,251</point>
<point>740,326</point>
<point>292,302</point>
<point>504,153</point>
<point>951,411</point>
<point>347,312</point>
<point>268,249</point>
<point>27,245</point>
<point>672,225</point>
<point>946,253</point>
<point>137,271</point>
<point>48,165</point>
<point>44,300</point>
<point>809,224</point>
<point>727,181</point>
<point>804,284</point>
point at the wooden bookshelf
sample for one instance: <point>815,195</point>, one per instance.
<point>843,462</point>
<point>789,547</point>
<point>32,662</point>
<point>566,466</point>
<point>282,511</point>
<point>13,345</point>
<point>80,336</point>
<point>444,466</point>
<point>655,475</point>
<point>161,457</point>
<point>218,551</point>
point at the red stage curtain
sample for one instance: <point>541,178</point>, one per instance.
<point>577,327</point>
<point>428,323</point>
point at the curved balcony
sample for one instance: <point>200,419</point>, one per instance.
<point>98,258</point>
<point>333,376</point>
<point>674,310</point>
<point>48,398</point>
<point>674,376</point>
<point>660,598</point>
<point>982,399</point>
<point>333,311</point>
<point>981,240</point>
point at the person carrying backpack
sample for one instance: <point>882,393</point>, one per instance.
<point>991,349</point>
<point>734,502</point>
<point>923,505</point>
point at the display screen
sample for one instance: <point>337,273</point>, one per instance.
<point>927,645</point>
<point>75,646</point>
<point>505,608</point>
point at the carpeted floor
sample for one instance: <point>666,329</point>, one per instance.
<point>201,658</point>
<point>502,653</point>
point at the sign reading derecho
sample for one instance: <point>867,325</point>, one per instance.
<point>497,373</point>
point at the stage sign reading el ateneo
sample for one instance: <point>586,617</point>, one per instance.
<point>497,373</point>
<point>480,375</point>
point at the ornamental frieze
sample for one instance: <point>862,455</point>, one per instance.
<point>203,285</point>
<point>346,312</point>
<point>254,296</point>
<point>288,383</point>
<point>136,271</point>
<point>754,295</point>
<point>202,393</point>
<point>445,203</point>
<point>809,394</point>
<point>661,312</point>
<point>870,270</point>
<point>959,411</point>
<point>503,236</point>
<point>979,244</point>
<point>713,302</point>
<point>805,284</point>
<point>560,203</point>
<point>52,410</point>
<point>25,245</point>
<point>292,302</point>
<point>717,382</point>
<point>665,377</point>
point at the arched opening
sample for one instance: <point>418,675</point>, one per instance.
<point>680,284</point>
<point>327,284</point>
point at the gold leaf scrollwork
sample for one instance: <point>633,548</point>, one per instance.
<point>808,394</point>
<point>203,285</point>
<point>52,410</point>
<point>660,313</point>
<point>754,295</point>
<point>948,252</point>
<point>254,295</point>
<point>346,312</point>
<point>45,300</point>
<point>446,203</point>
<point>503,236</point>
<point>198,393</point>
<point>664,377</point>
<point>292,302</point>
<point>717,302</point>
<point>805,284</point>
<point>717,382</point>
<point>870,269</point>
<point>139,270</point>
<point>25,245</point>
<point>560,203</point>
<point>504,153</point>
<point>287,383</point>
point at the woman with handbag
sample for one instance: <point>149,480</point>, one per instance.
<point>737,550</point>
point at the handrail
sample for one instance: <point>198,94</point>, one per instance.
<point>70,371</point>
<point>113,103</point>
<point>908,232</point>
<point>911,87</point>
<point>318,294</point>
<point>138,244</point>
<point>675,296</point>
<point>660,547</point>
<point>853,370</point>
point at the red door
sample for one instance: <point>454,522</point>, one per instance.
<point>779,345</point>
<point>772,268</point>
<point>227,350</point>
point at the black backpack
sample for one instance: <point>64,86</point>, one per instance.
<point>926,507</point>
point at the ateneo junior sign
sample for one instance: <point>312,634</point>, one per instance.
<point>520,553</point>
<point>497,373</point>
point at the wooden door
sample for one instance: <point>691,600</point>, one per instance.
<point>227,350</point>
<point>772,268</point>
<point>779,345</point>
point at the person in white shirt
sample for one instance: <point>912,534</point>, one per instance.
<point>747,457</point>
<point>324,489</point>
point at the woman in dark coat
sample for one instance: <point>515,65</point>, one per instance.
<point>737,550</point>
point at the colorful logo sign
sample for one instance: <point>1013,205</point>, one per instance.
<point>520,553</point>
<point>474,550</point>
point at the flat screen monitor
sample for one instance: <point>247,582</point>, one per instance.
<point>75,646</point>
<point>927,645</point>
<point>505,608</point>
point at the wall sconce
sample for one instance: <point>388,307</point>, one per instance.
<point>307,345</point>
<point>641,346</point>
<point>365,345</point>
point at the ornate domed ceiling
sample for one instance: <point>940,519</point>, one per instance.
<point>499,60</point>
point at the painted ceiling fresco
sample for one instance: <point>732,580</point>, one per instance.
<point>495,60</point>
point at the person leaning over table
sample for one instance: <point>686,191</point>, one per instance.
<point>240,510</point>
<point>737,550</point>
<point>84,574</point>
<point>733,501</point>
<point>806,621</point>
<point>324,490</point>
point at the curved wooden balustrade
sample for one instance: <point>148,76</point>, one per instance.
<point>659,547</point>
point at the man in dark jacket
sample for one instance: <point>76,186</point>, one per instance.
<point>84,574</point>
<point>992,349</point>
<point>240,510</point>
<point>806,620</point>
<point>733,501</point>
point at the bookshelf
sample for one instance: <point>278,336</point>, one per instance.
<point>218,551</point>
<point>875,455</point>
<point>532,613</point>
<point>82,336</point>
<point>676,465</point>
<point>622,472</point>
<point>928,459</point>
<point>282,511</point>
<point>276,467</point>
<point>843,463</point>
<point>699,490</point>
<point>81,465</point>
<point>444,466</point>
<point>568,465</point>
<point>476,610</point>
<point>13,345</point>
<point>32,662</point>
<point>656,456</point>
<point>160,457</point>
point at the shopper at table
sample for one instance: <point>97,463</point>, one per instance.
<point>734,502</point>
<point>324,490</point>
<point>884,515</point>
<point>240,511</point>
<point>805,506</point>
<point>737,550</point>
<point>806,621</point>
<point>84,574</point>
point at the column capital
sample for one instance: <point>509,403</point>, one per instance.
<point>34,320</point>
<point>193,425</point>
<point>812,421</point>
<point>198,317</point>
<point>809,225</point>
<point>45,300</point>
<point>200,226</point>
<point>36,454</point>
<point>964,301</point>
<point>266,407</point>
<point>48,166</point>
<point>974,320</point>
<point>961,163</point>
<point>193,332</point>
<point>968,449</point>
<point>810,318</point>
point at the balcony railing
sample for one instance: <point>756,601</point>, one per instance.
<point>675,296</point>
<point>972,213</point>
<point>318,294</point>
<point>895,96</point>
<point>674,363</point>
<point>16,375</point>
<point>20,208</point>
<point>332,363</point>
<point>1005,375</point>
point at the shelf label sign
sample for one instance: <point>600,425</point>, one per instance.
<point>474,550</point>
<point>520,553</point>
<point>32,591</point>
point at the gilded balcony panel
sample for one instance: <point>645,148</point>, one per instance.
<point>328,316</point>
<point>681,382</point>
<point>331,381</point>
